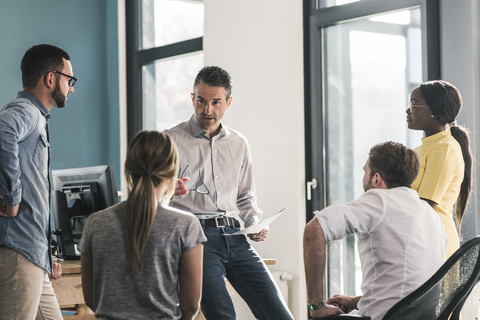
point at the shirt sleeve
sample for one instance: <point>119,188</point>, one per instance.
<point>249,212</point>
<point>441,167</point>
<point>359,216</point>
<point>194,235</point>
<point>15,123</point>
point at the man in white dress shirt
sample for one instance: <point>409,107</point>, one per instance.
<point>218,186</point>
<point>401,240</point>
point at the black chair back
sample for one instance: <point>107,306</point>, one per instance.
<point>443,295</point>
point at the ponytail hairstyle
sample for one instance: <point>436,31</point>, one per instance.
<point>152,160</point>
<point>445,101</point>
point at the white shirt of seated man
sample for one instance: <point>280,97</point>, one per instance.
<point>397,233</point>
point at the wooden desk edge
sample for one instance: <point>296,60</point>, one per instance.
<point>74,266</point>
<point>270,262</point>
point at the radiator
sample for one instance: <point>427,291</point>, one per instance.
<point>471,308</point>
<point>241,308</point>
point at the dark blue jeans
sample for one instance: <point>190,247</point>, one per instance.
<point>233,257</point>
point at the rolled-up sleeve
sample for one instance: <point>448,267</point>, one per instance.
<point>14,126</point>
<point>359,216</point>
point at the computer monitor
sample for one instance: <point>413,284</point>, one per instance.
<point>77,193</point>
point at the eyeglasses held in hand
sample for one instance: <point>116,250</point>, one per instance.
<point>71,81</point>
<point>412,107</point>
<point>203,189</point>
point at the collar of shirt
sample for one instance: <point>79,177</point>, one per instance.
<point>198,129</point>
<point>35,101</point>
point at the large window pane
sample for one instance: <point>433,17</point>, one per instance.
<point>168,21</point>
<point>371,66</point>
<point>167,85</point>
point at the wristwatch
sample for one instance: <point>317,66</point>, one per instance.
<point>316,306</point>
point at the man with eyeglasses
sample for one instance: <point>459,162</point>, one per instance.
<point>217,185</point>
<point>25,258</point>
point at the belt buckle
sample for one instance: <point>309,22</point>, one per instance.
<point>227,224</point>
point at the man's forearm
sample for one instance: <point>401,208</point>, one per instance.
<point>314,255</point>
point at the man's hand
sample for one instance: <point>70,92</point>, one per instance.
<point>57,271</point>
<point>259,237</point>
<point>6,211</point>
<point>346,303</point>
<point>181,188</point>
<point>326,310</point>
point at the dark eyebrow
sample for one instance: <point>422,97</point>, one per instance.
<point>217,99</point>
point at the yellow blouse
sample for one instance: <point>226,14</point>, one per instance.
<point>440,178</point>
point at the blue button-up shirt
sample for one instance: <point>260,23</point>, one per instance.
<point>224,164</point>
<point>24,178</point>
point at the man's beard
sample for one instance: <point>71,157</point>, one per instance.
<point>368,186</point>
<point>58,96</point>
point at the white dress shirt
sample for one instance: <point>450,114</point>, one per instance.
<point>401,243</point>
<point>224,163</point>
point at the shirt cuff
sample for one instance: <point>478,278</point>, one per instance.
<point>251,221</point>
<point>13,199</point>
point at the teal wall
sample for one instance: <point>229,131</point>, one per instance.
<point>86,131</point>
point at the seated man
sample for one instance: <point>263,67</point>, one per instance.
<point>401,240</point>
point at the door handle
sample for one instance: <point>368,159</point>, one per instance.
<point>311,185</point>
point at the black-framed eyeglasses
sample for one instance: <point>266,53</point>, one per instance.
<point>203,189</point>
<point>71,81</point>
<point>412,107</point>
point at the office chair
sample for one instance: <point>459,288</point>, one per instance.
<point>443,295</point>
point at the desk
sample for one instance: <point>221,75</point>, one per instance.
<point>70,295</point>
<point>69,287</point>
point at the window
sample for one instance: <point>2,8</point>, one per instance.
<point>331,3</point>
<point>164,53</point>
<point>365,59</point>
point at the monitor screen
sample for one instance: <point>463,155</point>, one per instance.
<point>76,194</point>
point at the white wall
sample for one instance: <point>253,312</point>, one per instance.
<point>261,44</point>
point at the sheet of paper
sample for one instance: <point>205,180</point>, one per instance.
<point>256,228</point>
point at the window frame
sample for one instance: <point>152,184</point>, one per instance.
<point>137,58</point>
<point>315,20</point>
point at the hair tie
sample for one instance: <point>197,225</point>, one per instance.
<point>450,125</point>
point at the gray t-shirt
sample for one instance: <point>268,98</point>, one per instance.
<point>153,292</point>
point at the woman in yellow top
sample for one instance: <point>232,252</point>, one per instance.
<point>445,176</point>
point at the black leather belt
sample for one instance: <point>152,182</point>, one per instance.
<point>220,222</point>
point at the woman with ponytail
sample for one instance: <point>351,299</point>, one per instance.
<point>445,177</point>
<point>142,259</point>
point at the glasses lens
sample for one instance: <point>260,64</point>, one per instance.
<point>190,185</point>
<point>202,190</point>
<point>71,82</point>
